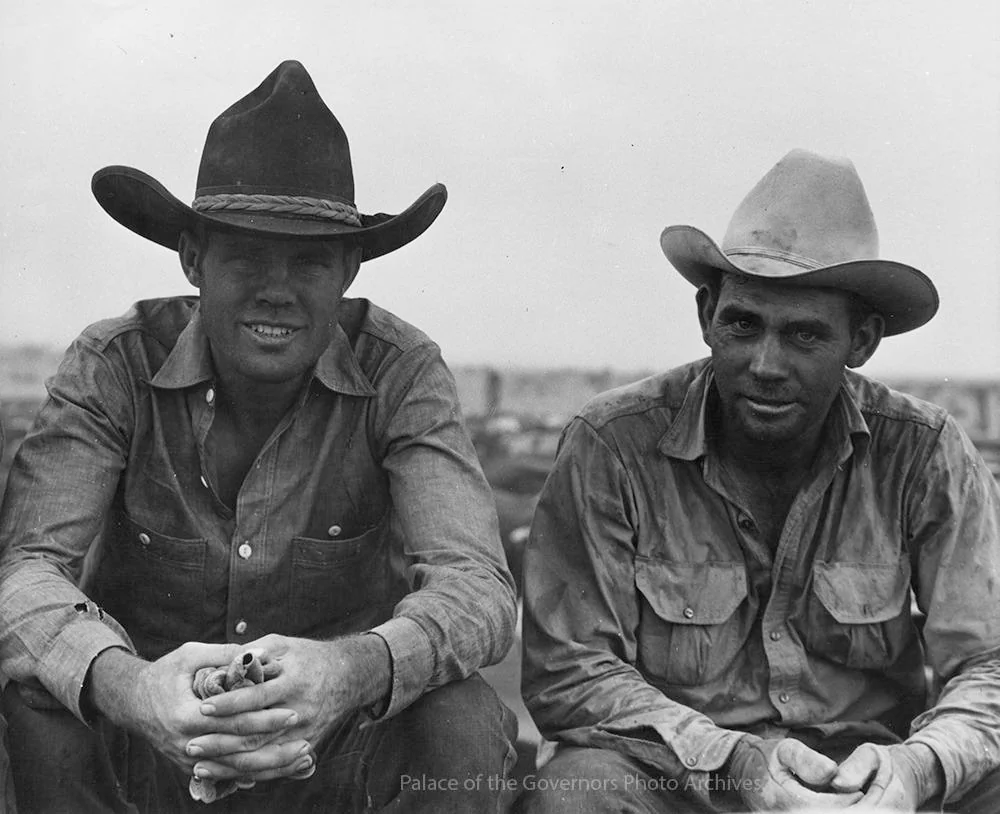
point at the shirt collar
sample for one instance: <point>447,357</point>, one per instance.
<point>687,438</point>
<point>190,363</point>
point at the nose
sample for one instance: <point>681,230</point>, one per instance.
<point>768,359</point>
<point>275,288</point>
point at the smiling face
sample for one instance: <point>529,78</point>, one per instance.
<point>269,306</point>
<point>778,354</point>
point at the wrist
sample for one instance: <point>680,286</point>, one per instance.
<point>382,683</point>
<point>924,767</point>
<point>110,684</point>
<point>370,664</point>
<point>736,763</point>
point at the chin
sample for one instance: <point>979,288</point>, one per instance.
<point>763,432</point>
<point>280,374</point>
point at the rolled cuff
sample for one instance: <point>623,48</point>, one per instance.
<point>412,660</point>
<point>63,669</point>
<point>703,747</point>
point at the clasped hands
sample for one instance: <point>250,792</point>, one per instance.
<point>786,775</point>
<point>256,733</point>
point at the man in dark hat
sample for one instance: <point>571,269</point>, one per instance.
<point>718,579</point>
<point>272,475</point>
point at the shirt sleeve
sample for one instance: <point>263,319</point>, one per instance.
<point>59,489</point>
<point>461,613</point>
<point>581,611</point>
<point>954,532</point>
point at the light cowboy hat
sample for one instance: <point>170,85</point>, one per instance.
<point>276,163</point>
<point>808,222</point>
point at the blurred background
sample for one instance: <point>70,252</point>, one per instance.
<point>569,134</point>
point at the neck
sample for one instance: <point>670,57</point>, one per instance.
<point>768,458</point>
<point>252,404</point>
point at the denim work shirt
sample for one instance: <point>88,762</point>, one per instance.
<point>366,510</point>
<point>651,604</point>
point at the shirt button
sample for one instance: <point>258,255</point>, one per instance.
<point>210,395</point>
<point>775,635</point>
<point>334,530</point>
<point>688,613</point>
<point>745,523</point>
<point>245,551</point>
<point>144,538</point>
<point>241,627</point>
<point>783,698</point>
<point>692,761</point>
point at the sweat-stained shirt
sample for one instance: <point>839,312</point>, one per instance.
<point>658,624</point>
<point>366,510</point>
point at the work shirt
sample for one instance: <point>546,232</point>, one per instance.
<point>658,623</point>
<point>365,510</point>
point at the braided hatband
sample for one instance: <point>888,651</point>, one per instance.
<point>297,205</point>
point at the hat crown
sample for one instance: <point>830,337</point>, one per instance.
<point>809,209</point>
<point>279,139</point>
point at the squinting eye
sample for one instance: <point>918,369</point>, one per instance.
<point>806,337</point>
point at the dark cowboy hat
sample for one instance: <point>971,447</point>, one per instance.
<point>808,222</point>
<point>275,163</point>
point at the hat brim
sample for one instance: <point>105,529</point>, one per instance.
<point>904,296</point>
<point>142,204</point>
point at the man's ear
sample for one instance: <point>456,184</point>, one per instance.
<point>352,261</point>
<point>189,253</point>
<point>866,339</point>
<point>706,300</point>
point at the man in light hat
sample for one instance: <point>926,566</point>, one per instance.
<point>271,470</point>
<point>717,584</point>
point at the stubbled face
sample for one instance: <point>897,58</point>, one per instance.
<point>779,354</point>
<point>269,306</point>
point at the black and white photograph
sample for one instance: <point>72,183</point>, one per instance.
<point>525,407</point>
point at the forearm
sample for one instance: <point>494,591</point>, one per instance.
<point>369,660</point>
<point>585,699</point>
<point>50,632</point>
<point>963,728</point>
<point>110,687</point>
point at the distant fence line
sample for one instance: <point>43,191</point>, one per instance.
<point>553,395</point>
<point>558,394</point>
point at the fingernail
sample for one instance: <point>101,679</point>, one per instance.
<point>207,709</point>
<point>305,763</point>
<point>202,773</point>
<point>292,719</point>
<point>194,750</point>
<point>305,749</point>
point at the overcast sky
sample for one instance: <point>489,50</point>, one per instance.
<point>568,133</point>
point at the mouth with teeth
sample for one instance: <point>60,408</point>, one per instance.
<point>270,332</point>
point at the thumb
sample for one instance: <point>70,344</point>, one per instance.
<point>808,765</point>
<point>854,773</point>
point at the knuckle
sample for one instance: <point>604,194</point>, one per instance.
<point>255,741</point>
<point>242,763</point>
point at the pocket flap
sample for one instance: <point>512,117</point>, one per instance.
<point>685,593</point>
<point>857,593</point>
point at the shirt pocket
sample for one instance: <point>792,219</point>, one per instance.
<point>857,613</point>
<point>335,579</point>
<point>689,628</point>
<point>154,584</point>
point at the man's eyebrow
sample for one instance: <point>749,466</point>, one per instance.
<point>734,310</point>
<point>238,250</point>
<point>813,324</point>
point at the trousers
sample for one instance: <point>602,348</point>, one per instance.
<point>450,751</point>
<point>600,780</point>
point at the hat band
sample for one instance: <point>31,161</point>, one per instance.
<point>293,205</point>
<point>772,254</point>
